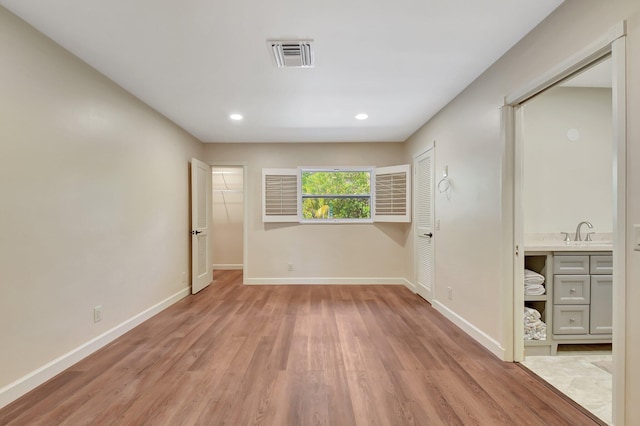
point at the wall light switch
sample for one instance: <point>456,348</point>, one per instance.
<point>636,242</point>
<point>437,224</point>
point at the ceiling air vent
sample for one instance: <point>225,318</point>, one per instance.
<point>291,54</point>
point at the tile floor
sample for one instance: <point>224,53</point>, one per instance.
<point>581,374</point>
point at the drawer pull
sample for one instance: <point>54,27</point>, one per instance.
<point>572,320</point>
<point>573,290</point>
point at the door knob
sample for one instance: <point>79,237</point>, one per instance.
<point>430,234</point>
<point>196,232</point>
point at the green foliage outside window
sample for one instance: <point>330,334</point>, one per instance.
<point>336,194</point>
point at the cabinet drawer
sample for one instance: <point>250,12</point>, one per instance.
<point>601,313</point>
<point>571,289</point>
<point>571,319</point>
<point>571,265</point>
<point>601,265</point>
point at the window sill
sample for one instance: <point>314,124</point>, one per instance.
<point>335,221</point>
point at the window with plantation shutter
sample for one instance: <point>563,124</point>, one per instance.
<point>392,194</point>
<point>280,195</point>
<point>337,195</point>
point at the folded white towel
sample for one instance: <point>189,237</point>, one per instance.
<point>534,328</point>
<point>531,277</point>
<point>534,290</point>
<point>531,313</point>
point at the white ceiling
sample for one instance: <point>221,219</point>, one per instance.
<point>197,61</point>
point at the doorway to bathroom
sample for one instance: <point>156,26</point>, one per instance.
<point>554,303</point>
<point>567,219</point>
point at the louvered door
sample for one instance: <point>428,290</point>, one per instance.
<point>423,166</point>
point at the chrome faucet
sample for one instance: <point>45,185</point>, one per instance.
<point>578,236</point>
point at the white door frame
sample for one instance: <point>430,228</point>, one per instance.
<point>245,211</point>
<point>614,43</point>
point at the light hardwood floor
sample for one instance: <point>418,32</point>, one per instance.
<point>294,355</point>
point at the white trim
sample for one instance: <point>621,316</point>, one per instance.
<point>618,59</point>
<point>228,266</point>
<point>507,220</point>
<point>411,286</point>
<point>517,253</point>
<point>245,221</point>
<point>15,390</point>
<point>480,336</point>
<point>325,281</point>
<point>569,66</point>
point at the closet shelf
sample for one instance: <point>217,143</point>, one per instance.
<point>540,298</point>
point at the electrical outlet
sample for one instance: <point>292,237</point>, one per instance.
<point>290,267</point>
<point>184,278</point>
<point>97,313</point>
<point>450,293</point>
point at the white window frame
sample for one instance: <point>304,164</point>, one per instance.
<point>370,170</point>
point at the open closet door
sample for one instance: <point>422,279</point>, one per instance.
<point>201,271</point>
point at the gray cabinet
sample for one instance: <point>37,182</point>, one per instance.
<point>577,304</point>
<point>572,289</point>
<point>601,265</point>
<point>571,264</point>
<point>582,297</point>
<point>570,319</point>
<point>601,321</point>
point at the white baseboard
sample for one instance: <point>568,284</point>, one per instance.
<point>324,281</point>
<point>480,336</point>
<point>15,390</point>
<point>411,286</point>
<point>227,266</point>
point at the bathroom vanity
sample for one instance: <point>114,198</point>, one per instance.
<point>577,304</point>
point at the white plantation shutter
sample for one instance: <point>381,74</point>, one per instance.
<point>392,200</point>
<point>280,195</point>
<point>424,194</point>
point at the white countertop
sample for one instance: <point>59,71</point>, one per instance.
<point>568,246</point>
<point>554,242</point>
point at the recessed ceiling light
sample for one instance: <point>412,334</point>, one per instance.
<point>235,117</point>
<point>362,116</point>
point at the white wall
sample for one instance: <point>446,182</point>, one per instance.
<point>94,203</point>
<point>330,252</point>
<point>566,182</point>
<point>467,132</point>
<point>227,217</point>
